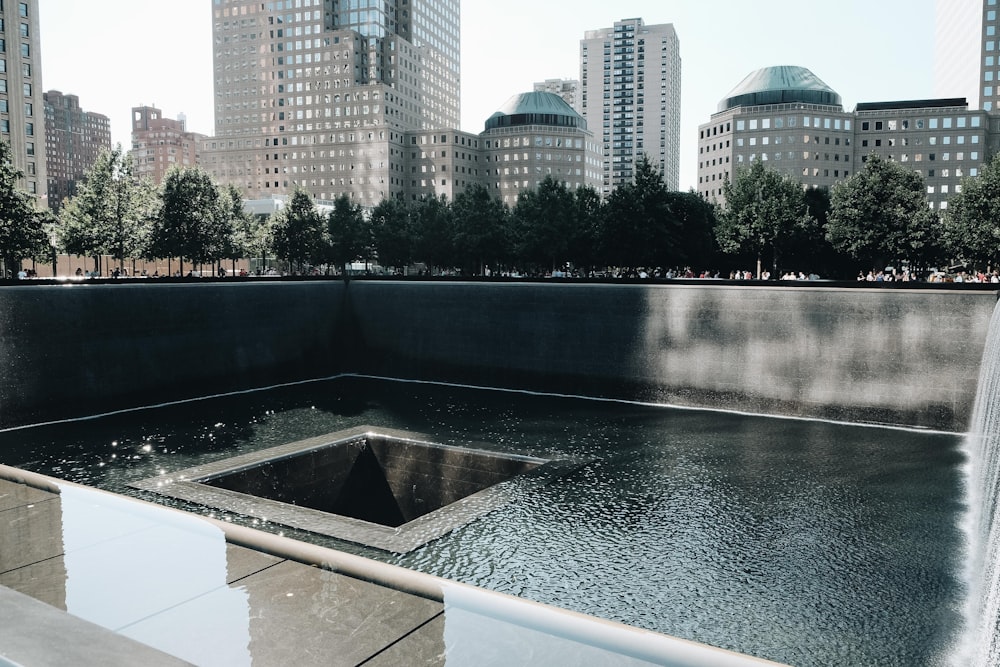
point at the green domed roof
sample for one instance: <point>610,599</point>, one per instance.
<point>536,108</point>
<point>780,85</point>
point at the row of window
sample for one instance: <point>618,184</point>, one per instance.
<point>945,123</point>
<point>779,122</point>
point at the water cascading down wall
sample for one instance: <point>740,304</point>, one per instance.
<point>895,356</point>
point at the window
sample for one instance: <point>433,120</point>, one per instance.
<point>22,9</point>
<point>25,51</point>
<point>24,30</point>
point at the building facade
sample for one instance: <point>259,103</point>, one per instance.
<point>630,95</point>
<point>73,140</point>
<point>960,55</point>
<point>533,136</point>
<point>22,101</point>
<point>160,144</point>
<point>794,123</point>
<point>568,89</point>
<point>787,118</point>
<point>942,140</point>
<point>320,96</point>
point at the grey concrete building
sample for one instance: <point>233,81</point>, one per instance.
<point>630,94</point>
<point>73,140</point>
<point>441,162</point>
<point>787,118</point>
<point>22,101</point>
<point>535,135</point>
<point>942,140</point>
<point>795,124</point>
<point>321,96</point>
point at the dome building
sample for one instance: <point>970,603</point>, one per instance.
<point>534,135</point>
<point>786,117</point>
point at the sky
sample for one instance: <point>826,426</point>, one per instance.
<point>118,54</point>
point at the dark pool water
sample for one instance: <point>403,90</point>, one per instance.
<point>803,542</point>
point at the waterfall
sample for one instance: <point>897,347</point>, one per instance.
<point>980,643</point>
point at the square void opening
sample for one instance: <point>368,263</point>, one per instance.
<point>387,489</point>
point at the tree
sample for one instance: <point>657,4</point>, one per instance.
<point>588,211</point>
<point>764,211</point>
<point>972,221</point>
<point>696,221</point>
<point>191,223</point>
<point>481,229</point>
<point>639,228</point>
<point>21,233</point>
<point>297,232</point>
<point>348,233</point>
<point>245,239</point>
<point>546,224</point>
<point>433,238</point>
<point>880,215</point>
<point>111,212</point>
<point>392,233</point>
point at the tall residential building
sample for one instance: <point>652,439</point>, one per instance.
<point>22,102</point>
<point>630,78</point>
<point>73,140</point>
<point>159,144</point>
<point>318,94</point>
<point>568,89</point>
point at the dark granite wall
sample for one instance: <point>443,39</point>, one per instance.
<point>71,350</point>
<point>876,355</point>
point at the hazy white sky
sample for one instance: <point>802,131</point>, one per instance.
<point>116,54</point>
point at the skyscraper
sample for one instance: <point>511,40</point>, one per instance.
<point>961,37</point>
<point>73,140</point>
<point>317,94</point>
<point>630,94</point>
<point>22,102</point>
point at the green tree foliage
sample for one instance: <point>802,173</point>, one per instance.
<point>348,232</point>
<point>297,233</point>
<point>639,228</point>
<point>191,223</point>
<point>972,221</point>
<point>433,239</point>
<point>245,237</point>
<point>588,213</point>
<point>392,233</point>
<point>696,220</point>
<point>482,229</point>
<point>546,225</point>
<point>764,212</point>
<point>21,232</point>
<point>880,215</point>
<point>111,212</point>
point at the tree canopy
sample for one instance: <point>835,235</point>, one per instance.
<point>880,216</point>
<point>21,232</point>
<point>972,221</point>
<point>764,212</point>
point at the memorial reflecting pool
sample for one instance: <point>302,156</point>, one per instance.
<point>803,542</point>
